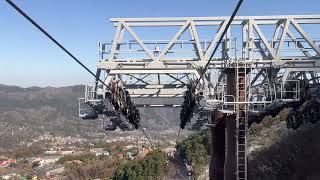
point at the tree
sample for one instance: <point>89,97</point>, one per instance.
<point>151,167</point>
<point>35,164</point>
<point>195,148</point>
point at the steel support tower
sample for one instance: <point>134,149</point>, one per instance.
<point>261,63</point>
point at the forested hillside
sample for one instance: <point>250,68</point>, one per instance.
<point>29,112</point>
<point>275,152</point>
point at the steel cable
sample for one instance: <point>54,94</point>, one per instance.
<point>189,96</point>
<point>53,40</point>
<point>177,139</point>
<point>145,134</point>
<point>220,39</point>
<point>72,56</point>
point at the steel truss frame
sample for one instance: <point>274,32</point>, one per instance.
<point>269,67</point>
<point>258,50</point>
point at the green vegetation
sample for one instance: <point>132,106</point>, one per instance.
<point>268,131</point>
<point>151,167</point>
<point>294,155</point>
<point>195,148</point>
<point>28,177</point>
<point>35,164</point>
<point>84,158</point>
<point>279,153</point>
<point>93,169</point>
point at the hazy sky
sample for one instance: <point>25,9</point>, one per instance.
<point>28,58</point>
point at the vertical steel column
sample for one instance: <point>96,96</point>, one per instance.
<point>230,163</point>
<point>216,169</point>
<point>251,40</point>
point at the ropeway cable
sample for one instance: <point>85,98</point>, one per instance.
<point>221,38</point>
<point>177,139</point>
<point>189,95</point>
<point>53,40</point>
<point>59,45</point>
<point>145,134</point>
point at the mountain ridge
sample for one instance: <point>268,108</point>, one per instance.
<point>55,109</point>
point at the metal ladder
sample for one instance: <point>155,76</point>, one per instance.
<point>241,98</point>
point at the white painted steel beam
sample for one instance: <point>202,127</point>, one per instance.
<point>195,37</point>
<point>214,41</point>
<point>175,37</point>
<point>306,36</point>
<point>134,35</point>
<point>264,40</point>
<point>283,35</point>
<point>221,18</point>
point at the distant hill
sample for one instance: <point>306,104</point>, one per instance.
<point>29,112</point>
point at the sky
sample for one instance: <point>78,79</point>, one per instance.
<point>28,58</point>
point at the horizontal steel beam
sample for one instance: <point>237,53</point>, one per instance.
<point>153,71</point>
<point>157,92</point>
<point>219,18</point>
<point>189,67</point>
<point>158,105</point>
<point>153,86</point>
<point>213,23</point>
<point>155,95</point>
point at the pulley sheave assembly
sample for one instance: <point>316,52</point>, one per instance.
<point>121,100</point>
<point>188,105</point>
